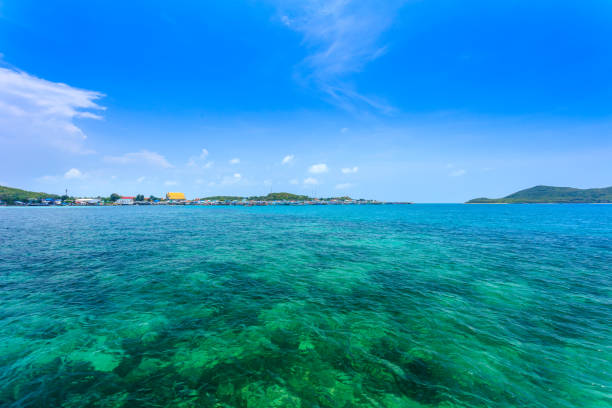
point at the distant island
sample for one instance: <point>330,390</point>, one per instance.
<point>553,195</point>
<point>15,196</point>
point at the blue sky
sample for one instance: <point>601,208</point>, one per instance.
<point>428,101</point>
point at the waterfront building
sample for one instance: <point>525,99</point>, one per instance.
<point>125,201</point>
<point>88,201</point>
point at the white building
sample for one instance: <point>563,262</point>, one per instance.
<point>87,201</point>
<point>125,201</point>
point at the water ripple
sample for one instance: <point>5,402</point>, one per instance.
<point>367,306</point>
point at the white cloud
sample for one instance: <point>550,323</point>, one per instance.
<point>197,162</point>
<point>234,161</point>
<point>318,168</point>
<point>34,110</point>
<point>311,181</point>
<point>141,157</point>
<point>288,159</point>
<point>344,130</point>
<point>170,183</point>
<point>286,21</point>
<point>457,173</point>
<point>140,179</point>
<point>294,181</point>
<point>73,174</point>
<point>342,37</point>
<point>349,170</point>
<point>343,186</point>
<point>204,154</point>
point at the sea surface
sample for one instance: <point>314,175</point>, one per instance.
<point>329,306</point>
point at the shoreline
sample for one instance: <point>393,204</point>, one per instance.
<point>280,204</point>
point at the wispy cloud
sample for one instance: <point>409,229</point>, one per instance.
<point>457,173</point>
<point>311,181</point>
<point>200,161</point>
<point>343,186</point>
<point>45,179</point>
<point>288,159</point>
<point>235,160</point>
<point>141,157</point>
<point>71,174</point>
<point>454,171</point>
<point>34,110</point>
<point>170,183</point>
<point>318,168</point>
<point>342,37</point>
<point>349,170</point>
<point>233,179</point>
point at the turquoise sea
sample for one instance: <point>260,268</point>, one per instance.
<point>338,306</point>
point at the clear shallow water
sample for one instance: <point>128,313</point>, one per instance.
<point>369,306</point>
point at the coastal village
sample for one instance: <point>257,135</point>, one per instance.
<point>177,198</point>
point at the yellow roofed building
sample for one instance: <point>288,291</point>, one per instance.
<point>175,196</point>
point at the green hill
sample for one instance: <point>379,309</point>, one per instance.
<point>548,194</point>
<point>10,195</point>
